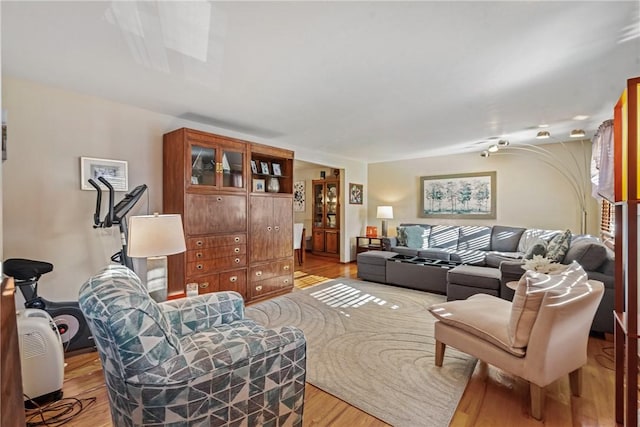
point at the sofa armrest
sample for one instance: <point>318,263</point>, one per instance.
<point>509,271</point>
<point>388,243</point>
<point>188,315</point>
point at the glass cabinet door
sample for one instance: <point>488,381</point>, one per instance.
<point>203,165</point>
<point>332,205</point>
<point>232,169</point>
<point>318,213</point>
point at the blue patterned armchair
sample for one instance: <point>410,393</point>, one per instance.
<point>191,362</point>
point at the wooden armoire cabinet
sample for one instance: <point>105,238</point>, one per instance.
<point>326,217</point>
<point>271,223</point>
<point>207,179</point>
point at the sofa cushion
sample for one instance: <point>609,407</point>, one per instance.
<point>471,257</point>
<point>493,259</point>
<point>529,295</point>
<point>531,235</point>
<point>476,238</point>
<point>481,315</point>
<point>539,247</point>
<point>558,246</point>
<point>416,237</point>
<point>505,239</point>
<point>588,253</point>
<point>405,250</point>
<point>474,276</point>
<point>435,253</point>
<point>444,236</point>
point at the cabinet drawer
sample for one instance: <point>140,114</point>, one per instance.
<point>206,284</point>
<point>198,268</point>
<point>216,252</point>
<point>274,284</point>
<point>235,280</point>
<point>267,271</point>
<point>215,241</point>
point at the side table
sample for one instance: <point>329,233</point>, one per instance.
<point>366,243</point>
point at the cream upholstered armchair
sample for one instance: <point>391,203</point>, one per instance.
<point>539,337</point>
<point>193,361</point>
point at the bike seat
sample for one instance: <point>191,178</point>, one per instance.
<point>24,269</point>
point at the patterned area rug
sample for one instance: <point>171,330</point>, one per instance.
<point>372,346</point>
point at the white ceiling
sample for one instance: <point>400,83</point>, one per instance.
<point>368,80</point>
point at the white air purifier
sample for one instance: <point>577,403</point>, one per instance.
<point>41,355</point>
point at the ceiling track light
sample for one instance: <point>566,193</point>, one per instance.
<point>543,134</point>
<point>493,148</point>
<point>577,133</point>
<point>485,153</point>
<point>503,143</point>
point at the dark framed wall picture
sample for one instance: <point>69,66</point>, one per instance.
<point>463,196</point>
<point>356,193</point>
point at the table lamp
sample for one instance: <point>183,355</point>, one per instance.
<point>385,213</point>
<point>154,237</point>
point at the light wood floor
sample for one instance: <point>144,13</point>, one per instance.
<point>492,398</point>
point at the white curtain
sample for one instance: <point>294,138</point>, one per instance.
<point>602,162</point>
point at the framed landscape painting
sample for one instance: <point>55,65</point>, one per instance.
<point>464,196</point>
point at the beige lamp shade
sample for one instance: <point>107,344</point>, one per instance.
<point>155,235</point>
<point>385,212</point>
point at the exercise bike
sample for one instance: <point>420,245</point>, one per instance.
<point>67,315</point>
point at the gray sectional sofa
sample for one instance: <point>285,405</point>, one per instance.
<point>493,256</point>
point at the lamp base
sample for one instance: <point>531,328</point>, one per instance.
<point>384,228</point>
<point>157,278</point>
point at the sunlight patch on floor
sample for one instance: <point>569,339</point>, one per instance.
<point>341,295</point>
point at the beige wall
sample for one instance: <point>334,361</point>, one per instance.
<point>46,215</point>
<point>529,192</point>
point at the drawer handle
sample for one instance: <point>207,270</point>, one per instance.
<point>258,273</point>
<point>199,243</point>
<point>259,288</point>
<point>277,228</point>
<point>236,239</point>
<point>204,285</point>
<point>269,228</point>
<point>219,199</point>
<point>233,279</point>
<point>237,260</point>
<point>199,266</point>
<point>236,250</point>
<point>286,281</point>
<point>286,268</point>
<point>198,254</point>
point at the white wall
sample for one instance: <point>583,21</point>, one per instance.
<point>46,215</point>
<point>529,192</point>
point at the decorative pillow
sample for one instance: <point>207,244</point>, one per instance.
<point>401,236</point>
<point>529,295</point>
<point>539,247</point>
<point>558,246</point>
<point>415,237</point>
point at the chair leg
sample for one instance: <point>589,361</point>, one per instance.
<point>537,401</point>
<point>440,347</point>
<point>575,381</point>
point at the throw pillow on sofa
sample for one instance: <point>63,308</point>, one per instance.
<point>415,237</point>
<point>559,246</point>
<point>401,236</point>
<point>539,247</point>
